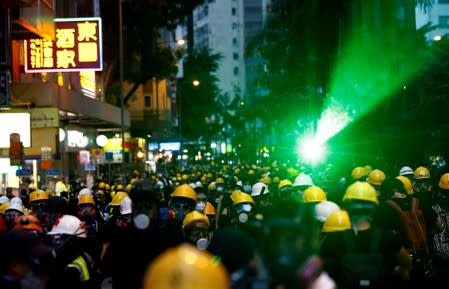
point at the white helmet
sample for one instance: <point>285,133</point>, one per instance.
<point>259,189</point>
<point>85,191</point>
<point>3,199</point>
<point>324,209</point>
<point>303,179</point>
<point>406,171</point>
<point>15,204</point>
<point>126,206</point>
<point>69,225</point>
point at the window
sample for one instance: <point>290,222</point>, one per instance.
<point>234,41</point>
<point>236,70</point>
<point>147,100</point>
<point>235,56</point>
<point>234,26</point>
<point>234,11</point>
<point>443,21</point>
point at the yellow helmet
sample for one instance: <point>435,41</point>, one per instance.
<point>276,179</point>
<point>284,183</point>
<point>362,191</point>
<point>86,199</point>
<point>239,197</point>
<point>184,191</point>
<point>376,177</point>
<point>102,185</point>
<point>266,180</point>
<point>186,267</point>
<point>219,181</point>
<point>408,187</point>
<point>119,187</point>
<point>209,209</point>
<point>422,173</point>
<point>211,187</point>
<point>192,217</point>
<point>129,187</point>
<point>336,222</point>
<point>314,194</point>
<point>359,172</point>
<point>118,197</point>
<point>444,182</point>
<point>38,195</point>
<point>4,207</point>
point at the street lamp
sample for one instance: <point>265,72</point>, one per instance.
<point>196,82</point>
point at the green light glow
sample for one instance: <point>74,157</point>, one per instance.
<point>366,73</point>
<point>311,150</point>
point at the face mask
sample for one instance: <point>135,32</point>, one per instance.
<point>247,189</point>
<point>198,237</point>
<point>200,206</point>
<point>243,212</point>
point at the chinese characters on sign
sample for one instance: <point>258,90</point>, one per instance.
<point>78,46</point>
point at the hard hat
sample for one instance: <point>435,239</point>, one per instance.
<point>102,185</point>
<point>219,181</point>
<point>276,179</point>
<point>259,189</point>
<point>15,204</point>
<point>68,225</point>
<point>209,209</point>
<point>85,191</point>
<point>211,186</point>
<point>303,179</point>
<point>337,222</point>
<point>368,168</point>
<point>126,206</point>
<point>361,191</point>
<point>422,173</point>
<point>444,182</point>
<point>186,267</point>
<point>324,209</point>
<point>408,187</point>
<point>284,183</point>
<point>117,198</point>
<point>119,187</point>
<point>266,180</point>
<point>4,207</point>
<point>376,177</point>
<point>192,217</point>
<point>86,199</point>
<point>314,194</point>
<point>129,187</point>
<point>184,191</point>
<point>406,171</point>
<point>239,197</point>
<point>184,177</point>
<point>4,199</point>
<point>359,172</point>
<point>28,222</point>
<point>38,195</point>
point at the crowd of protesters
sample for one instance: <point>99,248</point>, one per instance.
<point>281,225</point>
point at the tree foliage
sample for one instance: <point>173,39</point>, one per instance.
<point>200,111</point>
<point>144,56</point>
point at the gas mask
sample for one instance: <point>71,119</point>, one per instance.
<point>86,213</point>
<point>220,189</point>
<point>201,205</point>
<point>181,208</point>
<point>243,211</point>
<point>198,235</point>
<point>422,187</point>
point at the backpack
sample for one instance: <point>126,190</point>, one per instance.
<point>413,226</point>
<point>362,269</point>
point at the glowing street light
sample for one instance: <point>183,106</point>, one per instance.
<point>196,83</point>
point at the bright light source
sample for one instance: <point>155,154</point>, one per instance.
<point>311,150</point>
<point>196,83</point>
<point>437,38</point>
<point>181,42</point>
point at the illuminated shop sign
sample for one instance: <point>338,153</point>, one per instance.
<point>77,47</point>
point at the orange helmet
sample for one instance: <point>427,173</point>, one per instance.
<point>28,222</point>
